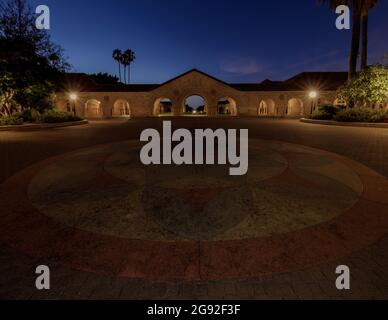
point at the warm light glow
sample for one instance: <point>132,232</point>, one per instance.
<point>313,94</point>
<point>73,96</point>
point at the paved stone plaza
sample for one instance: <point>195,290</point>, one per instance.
<point>79,200</point>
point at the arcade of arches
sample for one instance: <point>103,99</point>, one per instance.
<point>213,97</point>
<point>93,109</point>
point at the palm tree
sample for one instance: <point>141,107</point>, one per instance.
<point>367,6</point>
<point>117,56</point>
<point>125,63</point>
<point>129,58</point>
<point>356,30</point>
<point>360,10</point>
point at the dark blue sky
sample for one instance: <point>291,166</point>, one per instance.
<point>235,40</point>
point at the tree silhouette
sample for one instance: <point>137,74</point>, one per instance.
<point>367,6</point>
<point>117,56</point>
<point>360,12</point>
<point>128,58</point>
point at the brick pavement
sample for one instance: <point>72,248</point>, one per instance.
<point>369,265</point>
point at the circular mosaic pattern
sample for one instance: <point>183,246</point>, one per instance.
<point>101,210</point>
<point>107,190</point>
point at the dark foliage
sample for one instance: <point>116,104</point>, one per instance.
<point>31,62</point>
<point>104,78</point>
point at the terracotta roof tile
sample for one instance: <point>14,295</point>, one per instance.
<point>81,82</point>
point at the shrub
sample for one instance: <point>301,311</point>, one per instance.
<point>320,115</point>
<point>54,116</point>
<point>11,120</point>
<point>330,109</point>
<point>325,112</point>
<point>29,115</point>
<point>369,87</point>
<point>379,116</point>
<point>361,115</point>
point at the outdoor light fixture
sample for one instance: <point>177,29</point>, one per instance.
<point>313,94</point>
<point>73,97</point>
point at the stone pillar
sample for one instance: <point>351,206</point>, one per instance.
<point>212,111</point>
<point>106,106</point>
<point>177,109</point>
<point>211,105</point>
<point>80,107</point>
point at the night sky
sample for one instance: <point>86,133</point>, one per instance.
<point>234,40</point>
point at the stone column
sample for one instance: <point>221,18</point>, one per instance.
<point>106,106</point>
<point>211,107</point>
<point>80,107</point>
<point>177,109</point>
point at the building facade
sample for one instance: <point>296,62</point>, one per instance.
<point>295,97</point>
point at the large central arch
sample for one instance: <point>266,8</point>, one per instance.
<point>194,104</point>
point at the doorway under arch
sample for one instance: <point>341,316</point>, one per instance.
<point>227,106</point>
<point>121,108</point>
<point>93,109</point>
<point>163,107</point>
<point>295,107</point>
<point>266,108</point>
<point>194,105</point>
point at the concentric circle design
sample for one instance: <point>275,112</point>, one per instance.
<point>101,210</point>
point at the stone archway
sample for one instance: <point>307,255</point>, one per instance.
<point>93,109</point>
<point>266,107</point>
<point>263,109</point>
<point>227,106</point>
<point>194,105</point>
<point>121,108</point>
<point>163,107</point>
<point>295,107</point>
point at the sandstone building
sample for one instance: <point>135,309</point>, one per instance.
<point>295,97</point>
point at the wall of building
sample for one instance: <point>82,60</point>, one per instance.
<point>143,104</point>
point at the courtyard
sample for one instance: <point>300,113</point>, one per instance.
<point>77,200</point>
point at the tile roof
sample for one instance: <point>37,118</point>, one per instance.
<point>81,82</point>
